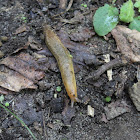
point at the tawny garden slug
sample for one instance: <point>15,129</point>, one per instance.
<point>64,61</point>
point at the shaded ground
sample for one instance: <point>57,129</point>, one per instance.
<point>38,108</point>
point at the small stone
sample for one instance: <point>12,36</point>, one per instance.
<point>90,111</point>
<point>1,54</point>
<point>4,38</point>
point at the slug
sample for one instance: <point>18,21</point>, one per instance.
<point>64,61</point>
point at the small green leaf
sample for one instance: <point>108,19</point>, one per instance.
<point>58,89</point>
<point>137,5</point>
<point>1,98</point>
<point>6,104</point>
<point>135,24</point>
<point>105,19</point>
<point>85,5</point>
<point>108,99</point>
<point>127,12</point>
<point>71,56</point>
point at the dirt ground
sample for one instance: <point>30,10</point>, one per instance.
<point>39,108</point>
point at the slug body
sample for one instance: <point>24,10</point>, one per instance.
<point>64,61</point>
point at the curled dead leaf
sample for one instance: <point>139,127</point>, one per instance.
<point>22,28</point>
<point>19,72</point>
<point>82,35</point>
<point>128,42</point>
<point>14,81</point>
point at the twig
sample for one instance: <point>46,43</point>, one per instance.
<point>69,6</point>
<point>116,62</point>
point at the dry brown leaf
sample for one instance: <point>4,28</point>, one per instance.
<point>23,66</point>
<point>78,17</point>
<point>19,72</point>
<point>5,91</point>
<point>21,29</point>
<point>80,52</point>
<point>116,108</point>
<point>128,42</point>
<point>14,81</point>
<point>82,35</point>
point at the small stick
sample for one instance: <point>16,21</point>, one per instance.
<point>116,62</point>
<point>69,6</point>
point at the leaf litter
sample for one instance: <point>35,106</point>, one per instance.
<point>19,72</point>
<point>128,42</point>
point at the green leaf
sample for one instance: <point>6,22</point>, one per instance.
<point>58,89</point>
<point>105,19</point>
<point>135,24</point>
<point>137,5</point>
<point>1,98</point>
<point>108,99</point>
<point>127,12</point>
<point>6,104</point>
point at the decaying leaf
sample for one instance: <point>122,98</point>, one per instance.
<point>76,19</point>
<point>115,109</point>
<point>14,81</point>
<point>21,29</point>
<point>19,72</point>
<point>134,93</point>
<point>5,91</point>
<point>23,66</point>
<point>128,42</point>
<point>80,51</point>
<point>82,35</point>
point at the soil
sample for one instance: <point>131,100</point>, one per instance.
<point>39,109</point>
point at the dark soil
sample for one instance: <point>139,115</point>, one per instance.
<point>41,112</point>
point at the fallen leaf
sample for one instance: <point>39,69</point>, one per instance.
<point>19,72</point>
<point>21,29</point>
<point>24,65</point>
<point>134,93</point>
<point>78,17</point>
<point>115,109</point>
<point>14,81</point>
<point>5,91</point>
<point>82,35</point>
<point>80,52</point>
<point>128,42</point>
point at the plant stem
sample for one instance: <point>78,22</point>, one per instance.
<point>19,121</point>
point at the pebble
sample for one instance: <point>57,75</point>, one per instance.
<point>4,38</point>
<point>90,111</point>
